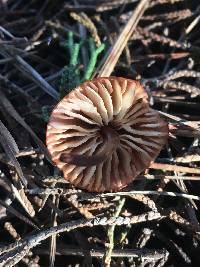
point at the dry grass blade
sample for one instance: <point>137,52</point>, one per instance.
<point>52,254</point>
<point>18,214</point>
<point>176,168</point>
<point>11,149</point>
<point>22,198</point>
<point>53,242</point>
<point>8,84</point>
<point>169,177</point>
<point>122,40</point>
<point>26,69</point>
<point>29,71</point>
<point>6,104</point>
<point>192,125</point>
<point>10,140</point>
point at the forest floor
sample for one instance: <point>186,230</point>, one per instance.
<point>46,49</point>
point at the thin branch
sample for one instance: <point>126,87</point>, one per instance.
<point>87,196</point>
<point>119,253</point>
<point>22,247</point>
<point>176,168</point>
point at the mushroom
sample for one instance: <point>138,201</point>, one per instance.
<point>104,133</point>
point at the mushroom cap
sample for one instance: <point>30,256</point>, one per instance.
<point>104,133</point>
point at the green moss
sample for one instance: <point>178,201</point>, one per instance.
<point>72,76</point>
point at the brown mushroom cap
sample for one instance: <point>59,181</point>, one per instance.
<point>104,133</point>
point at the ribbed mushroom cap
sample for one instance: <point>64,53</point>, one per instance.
<point>104,133</point>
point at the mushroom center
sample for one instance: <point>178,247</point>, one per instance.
<point>110,143</point>
<point>110,136</point>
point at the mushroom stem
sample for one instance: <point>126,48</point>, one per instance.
<point>111,140</point>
